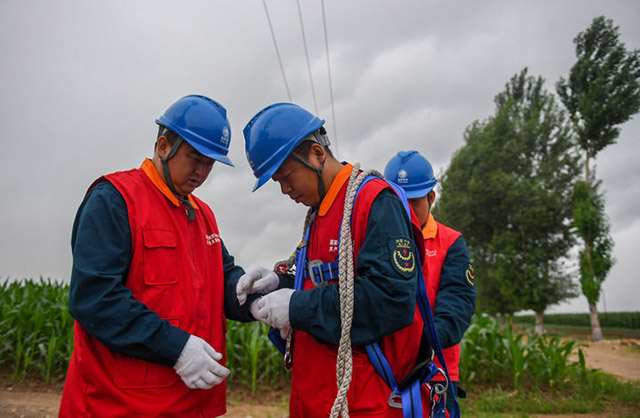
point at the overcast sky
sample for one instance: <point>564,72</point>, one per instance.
<point>82,83</point>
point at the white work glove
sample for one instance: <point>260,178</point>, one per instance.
<point>273,309</point>
<point>198,365</point>
<point>285,332</point>
<point>254,308</point>
<point>257,280</point>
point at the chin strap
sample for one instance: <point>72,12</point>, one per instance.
<point>318,170</point>
<point>320,138</point>
<point>191,212</point>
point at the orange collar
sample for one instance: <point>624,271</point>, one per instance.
<point>430,230</point>
<point>342,176</point>
<point>150,170</point>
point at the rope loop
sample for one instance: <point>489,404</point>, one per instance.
<point>344,362</point>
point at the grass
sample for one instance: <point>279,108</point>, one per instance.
<point>584,332</point>
<point>510,371</point>
<point>602,393</point>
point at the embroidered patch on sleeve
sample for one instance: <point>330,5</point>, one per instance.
<point>471,275</point>
<point>402,256</point>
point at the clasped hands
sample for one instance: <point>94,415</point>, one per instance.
<point>198,365</point>
<point>273,307</point>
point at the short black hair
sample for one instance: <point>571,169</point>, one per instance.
<point>304,146</point>
<point>171,136</point>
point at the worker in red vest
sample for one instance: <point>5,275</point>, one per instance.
<point>448,272</point>
<point>152,282</point>
<point>289,145</point>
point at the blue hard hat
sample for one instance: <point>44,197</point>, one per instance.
<point>272,134</point>
<point>412,172</point>
<point>203,123</point>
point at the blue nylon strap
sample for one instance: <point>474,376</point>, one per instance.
<point>425,311</point>
<point>381,365</point>
<point>429,373</point>
<point>432,335</point>
<point>412,400</point>
<point>301,258</point>
<point>277,340</point>
<point>321,273</point>
<point>411,395</point>
<point>301,255</point>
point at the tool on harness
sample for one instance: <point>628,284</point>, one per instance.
<point>300,255</point>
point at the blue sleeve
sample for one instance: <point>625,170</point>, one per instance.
<point>456,297</point>
<point>384,297</point>
<point>232,274</point>
<point>98,297</point>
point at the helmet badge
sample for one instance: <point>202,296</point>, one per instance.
<point>402,177</point>
<point>225,136</point>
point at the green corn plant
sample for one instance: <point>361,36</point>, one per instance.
<point>251,357</point>
<point>555,365</point>
<point>517,353</point>
<point>37,337</point>
<point>37,330</point>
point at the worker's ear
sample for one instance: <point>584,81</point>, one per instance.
<point>162,146</point>
<point>432,197</point>
<point>317,154</point>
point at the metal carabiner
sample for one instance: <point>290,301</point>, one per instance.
<point>288,352</point>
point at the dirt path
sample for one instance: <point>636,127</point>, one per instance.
<point>620,358</point>
<point>28,401</point>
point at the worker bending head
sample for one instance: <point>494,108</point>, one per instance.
<point>288,144</point>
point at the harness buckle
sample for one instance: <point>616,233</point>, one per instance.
<point>318,281</point>
<point>395,399</point>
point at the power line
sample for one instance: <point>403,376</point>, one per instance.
<point>275,44</point>
<point>306,51</point>
<point>326,46</point>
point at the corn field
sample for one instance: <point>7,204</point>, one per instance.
<point>507,371</point>
<point>625,320</point>
<point>36,328</point>
<point>37,337</point>
<point>494,353</point>
<point>37,341</point>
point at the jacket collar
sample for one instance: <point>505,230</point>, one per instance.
<point>339,180</point>
<point>150,170</point>
<point>430,230</point>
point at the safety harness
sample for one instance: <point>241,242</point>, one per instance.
<point>405,394</point>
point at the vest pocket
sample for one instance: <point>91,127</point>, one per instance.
<point>133,373</point>
<point>368,393</point>
<point>160,258</point>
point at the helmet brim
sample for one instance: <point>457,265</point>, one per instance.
<point>213,155</point>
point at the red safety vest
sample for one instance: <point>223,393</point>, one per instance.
<point>313,378</point>
<point>176,271</point>
<point>436,249</point>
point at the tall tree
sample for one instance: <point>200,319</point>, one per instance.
<point>602,92</point>
<point>509,189</point>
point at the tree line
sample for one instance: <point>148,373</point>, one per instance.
<point>523,191</point>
